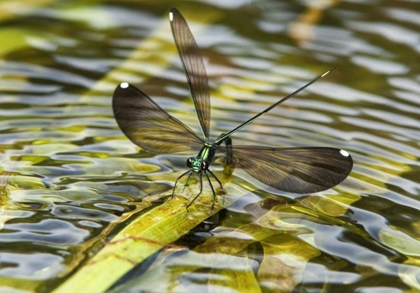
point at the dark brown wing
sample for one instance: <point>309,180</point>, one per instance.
<point>297,170</point>
<point>148,125</point>
<point>194,68</point>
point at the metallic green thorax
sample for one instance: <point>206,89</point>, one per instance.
<point>204,158</point>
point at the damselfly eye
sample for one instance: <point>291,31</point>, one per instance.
<point>189,162</point>
<point>204,165</point>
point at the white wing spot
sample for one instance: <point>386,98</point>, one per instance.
<point>344,153</point>
<point>124,85</point>
<point>171,16</point>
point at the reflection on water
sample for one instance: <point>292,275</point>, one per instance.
<point>68,173</point>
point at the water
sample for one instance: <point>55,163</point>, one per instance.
<point>69,175</point>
